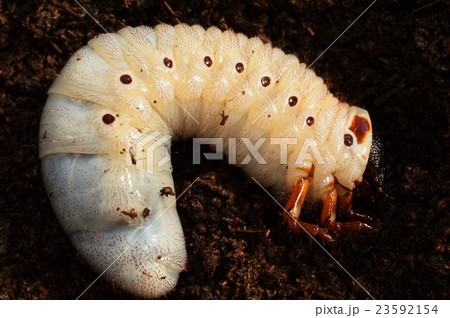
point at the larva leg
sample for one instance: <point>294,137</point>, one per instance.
<point>329,207</point>
<point>328,215</point>
<point>295,202</point>
<point>360,222</point>
<point>352,226</point>
<point>294,206</point>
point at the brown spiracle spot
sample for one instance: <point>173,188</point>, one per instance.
<point>310,121</point>
<point>108,119</point>
<point>166,191</point>
<point>360,127</point>
<point>208,61</point>
<point>126,79</point>
<point>265,81</point>
<point>293,101</point>
<point>168,62</point>
<point>239,67</point>
<point>348,140</point>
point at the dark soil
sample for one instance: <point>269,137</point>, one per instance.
<point>394,61</point>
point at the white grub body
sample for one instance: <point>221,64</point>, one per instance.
<point>93,117</point>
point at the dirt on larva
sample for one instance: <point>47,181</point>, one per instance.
<point>393,61</point>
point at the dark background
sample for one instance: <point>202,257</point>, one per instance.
<point>394,62</point>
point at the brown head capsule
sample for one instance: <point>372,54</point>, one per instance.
<point>360,127</point>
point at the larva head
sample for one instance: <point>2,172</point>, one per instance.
<point>353,141</point>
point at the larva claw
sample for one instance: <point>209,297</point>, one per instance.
<point>304,227</point>
<point>352,214</point>
<point>354,226</point>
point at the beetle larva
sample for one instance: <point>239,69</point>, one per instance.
<point>124,87</point>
